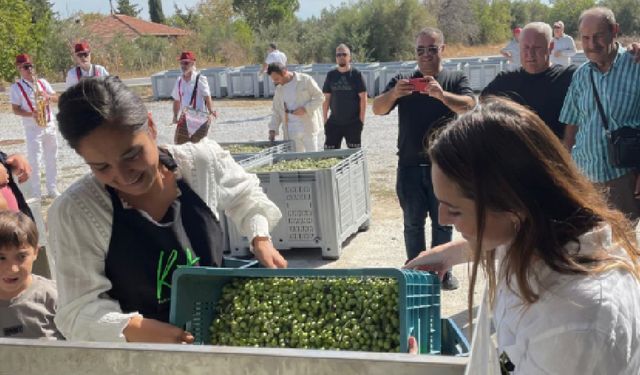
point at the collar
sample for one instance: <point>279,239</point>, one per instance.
<point>28,83</point>
<point>194,74</point>
<point>620,51</point>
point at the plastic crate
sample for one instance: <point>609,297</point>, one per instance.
<point>229,262</point>
<point>454,341</point>
<point>196,290</point>
<point>268,148</point>
<point>320,208</point>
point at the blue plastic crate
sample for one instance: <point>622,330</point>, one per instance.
<point>454,341</point>
<point>196,291</point>
<point>230,262</point>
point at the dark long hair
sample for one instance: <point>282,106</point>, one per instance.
<point>98,101</point>
<point>505,159</point>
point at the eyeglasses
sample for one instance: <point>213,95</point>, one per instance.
<point>341,54</point>
<point>27,66</point>
<point>431,50</point>
<point>82,54</point>
<point>185,62</point>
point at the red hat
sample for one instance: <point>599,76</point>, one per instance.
<point>82,47</point>
<point>23,58</point>
<point>187,55</point>
<point>517,30</point>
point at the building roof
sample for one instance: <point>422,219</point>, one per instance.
<point>131,27</point>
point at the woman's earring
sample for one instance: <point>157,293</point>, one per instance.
<point>516,226</point>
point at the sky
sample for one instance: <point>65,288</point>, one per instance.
<point>66,8</point>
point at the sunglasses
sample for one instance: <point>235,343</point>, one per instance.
<point>557,27</point>
<point>27,66</point>
<point>431,50</point>
<point>83,54</point>
<point>186,62</point>
<point>342,54</point>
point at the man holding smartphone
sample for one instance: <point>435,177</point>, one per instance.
<point>345,94</point>
<point>420,109</point>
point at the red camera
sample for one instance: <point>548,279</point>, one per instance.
<point>419,84</point>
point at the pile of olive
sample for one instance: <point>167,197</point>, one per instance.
<point>335,313</point>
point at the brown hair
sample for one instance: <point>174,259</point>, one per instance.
<point>504,158</point>
<point>16,230</point>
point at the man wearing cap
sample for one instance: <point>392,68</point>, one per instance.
<point>191,90</point>
<point>84,67</point>
<point>512,51</point>
<point>563,46</point>
<point>41,140</point>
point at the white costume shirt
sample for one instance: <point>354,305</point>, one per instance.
<point>183,90</point>
<point>567,48</point>
<point>294,122</point>
<point>94,71</point>
<point>276,56</point>
<point>580,325</point>
<point>18,99</point>
<point>513,47</point>
<point>80,223</point>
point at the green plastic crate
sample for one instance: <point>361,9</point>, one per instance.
<point>230,262</point>
<point>196,291</point>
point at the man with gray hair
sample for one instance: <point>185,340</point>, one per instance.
<point>537,84</point>
<point>605,92</point>
<point>345,94</point>
<point>426,98</point>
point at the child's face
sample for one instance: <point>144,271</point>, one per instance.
<point>15,269</point>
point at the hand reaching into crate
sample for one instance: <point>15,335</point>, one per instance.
<point>268,256</point>
<point>441,258</point>
<point>142,329</point>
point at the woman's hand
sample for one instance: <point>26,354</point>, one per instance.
<point>4,176</point>
<point>441,258</point>
<point>20,167</point>
<point>267,254</point>
<point>142,329</point>
<point>413,345</point>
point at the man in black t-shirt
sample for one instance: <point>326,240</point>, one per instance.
<point>346,95</point>
<point>537,84</point>
<point>420,110</point>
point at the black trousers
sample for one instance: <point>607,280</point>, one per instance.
<point>334,133</point>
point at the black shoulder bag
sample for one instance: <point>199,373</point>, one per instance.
<point>623,144</point>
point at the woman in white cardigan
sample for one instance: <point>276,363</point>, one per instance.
<point>119,233</point>
<point>565,298</point>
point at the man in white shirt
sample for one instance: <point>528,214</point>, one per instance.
<point>84,67</point>
<point>512,51</point>
<point>563,46</point>
<point>39,136</point>
<point>186,95</point>
<point>297,104</point>
<point>273,56</point>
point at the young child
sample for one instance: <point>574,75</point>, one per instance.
<point>27,301</point>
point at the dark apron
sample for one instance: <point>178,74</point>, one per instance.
<point>142,255</point>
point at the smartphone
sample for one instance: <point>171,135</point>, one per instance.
<point>419,84</point>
